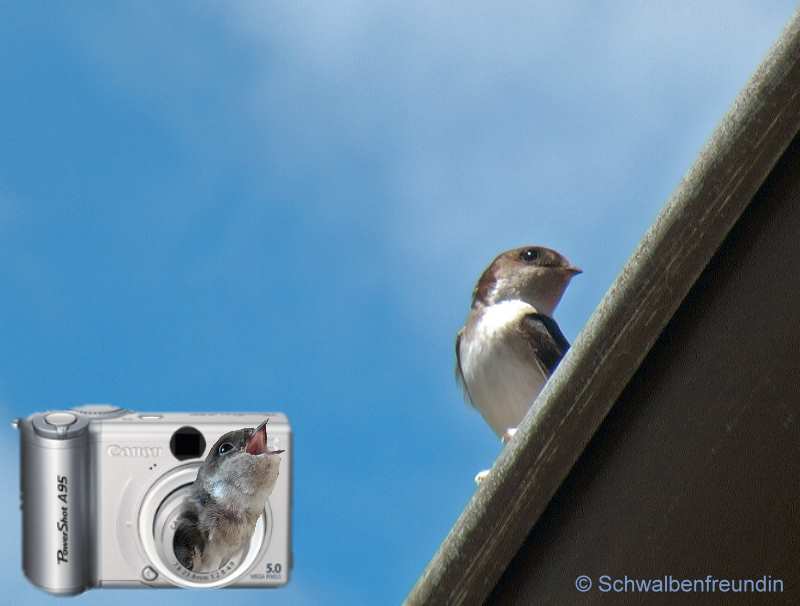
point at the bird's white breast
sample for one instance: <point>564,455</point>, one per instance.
<point>498,365</point>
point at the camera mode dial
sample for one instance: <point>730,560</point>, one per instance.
<point>100,411</point>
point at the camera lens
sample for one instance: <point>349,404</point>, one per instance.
<point>187,443</point>
<point>159,519</point>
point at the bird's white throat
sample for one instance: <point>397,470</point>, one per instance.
<point>498,317</point>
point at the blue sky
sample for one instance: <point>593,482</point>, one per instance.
<point>285,206</point>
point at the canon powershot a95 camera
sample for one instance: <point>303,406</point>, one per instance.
<point>114,498</point>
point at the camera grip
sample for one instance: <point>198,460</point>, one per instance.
<point>55,489</point>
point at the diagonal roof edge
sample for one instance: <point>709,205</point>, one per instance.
<point>736,160</point>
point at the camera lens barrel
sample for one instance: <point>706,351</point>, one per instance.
<point>55,489</point>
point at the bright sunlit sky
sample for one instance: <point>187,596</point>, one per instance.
<point>285,205</point>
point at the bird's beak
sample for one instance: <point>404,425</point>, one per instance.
<point>571,269</point>
<point>257,444</point>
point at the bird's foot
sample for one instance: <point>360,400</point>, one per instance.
<point>509,433</point>
<point>481,476</point>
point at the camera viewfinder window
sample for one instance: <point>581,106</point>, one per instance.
<point>187,443</point>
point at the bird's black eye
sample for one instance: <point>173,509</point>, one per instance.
<point>226,447</point>
<point>529,255</point>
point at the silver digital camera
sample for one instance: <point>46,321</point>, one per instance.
<point>102,490</point>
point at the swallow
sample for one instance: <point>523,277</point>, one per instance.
<point>219,516</point>
<point>510,344</point>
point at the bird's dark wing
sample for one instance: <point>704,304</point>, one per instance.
<point>187,539</point>
<point>459,374</point>
<point>546,340</point>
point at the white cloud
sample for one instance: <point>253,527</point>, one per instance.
<point>506,120</point>
<point>487,125</point>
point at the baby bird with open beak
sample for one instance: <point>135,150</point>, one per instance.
<point>510,344</point>
<point>226,500</point>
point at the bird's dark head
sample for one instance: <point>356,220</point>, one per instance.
<point>239,472</point>
<point>534,274</point>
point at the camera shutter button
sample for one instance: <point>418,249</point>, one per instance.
<point>60,419</point>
